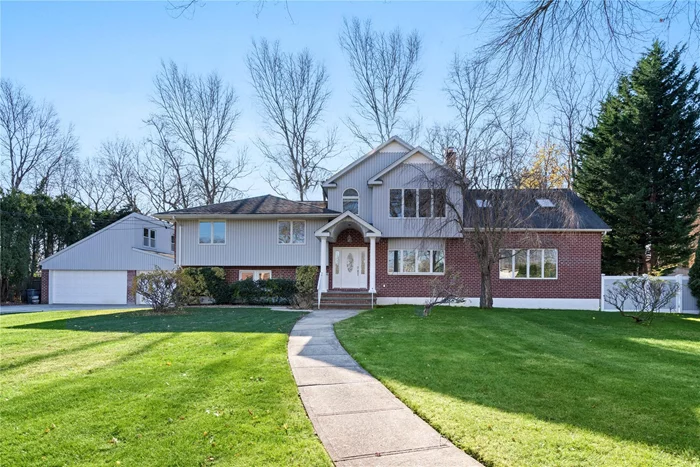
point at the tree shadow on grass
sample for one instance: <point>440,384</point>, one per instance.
<point>192,320</point>
<point>587,370</point>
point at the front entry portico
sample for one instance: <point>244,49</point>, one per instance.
<point>352,266</point>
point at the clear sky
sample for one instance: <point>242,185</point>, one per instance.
<point>95,61</point>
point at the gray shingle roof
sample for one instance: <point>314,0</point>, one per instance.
<point>266,204</point>
<point>569,211</point>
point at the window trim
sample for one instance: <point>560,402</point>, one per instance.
<point>291,232</point>
<point>417,216</point>
<point>353,198</point>
<point>151,236</point>
<point>527,264</point>
<point>255,272</point>
<point>416,273</point>
<point>211,232</point>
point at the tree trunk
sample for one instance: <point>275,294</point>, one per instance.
<point>486,295</point>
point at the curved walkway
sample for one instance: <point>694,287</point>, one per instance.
<point>359,421</point>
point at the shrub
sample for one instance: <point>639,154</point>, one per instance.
<point>694,275</point>
<point>246,292</point>
<point>306,286</point>
<point>211,282</point>
<point>267,292</point>
<point>165,290</point>
<point>644,295</point>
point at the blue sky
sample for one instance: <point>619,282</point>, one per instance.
<point>95,61</point>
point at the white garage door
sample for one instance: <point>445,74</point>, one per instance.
<point>87,287</point>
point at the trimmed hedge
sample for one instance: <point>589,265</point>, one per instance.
<point>263,292</point>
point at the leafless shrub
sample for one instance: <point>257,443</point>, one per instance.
<point>444,290</point>
<point>165,290</point>
<point>646,296</point>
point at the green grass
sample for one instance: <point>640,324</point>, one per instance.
<point>206,387</point>
<point>559,388</point>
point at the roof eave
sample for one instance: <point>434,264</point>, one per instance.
<point>241,216</point>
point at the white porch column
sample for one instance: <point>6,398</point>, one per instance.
<point>372,265</point>
<point>324,264</point>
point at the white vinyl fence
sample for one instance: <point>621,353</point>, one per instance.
<point>684,302</point>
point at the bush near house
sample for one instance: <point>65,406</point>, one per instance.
<point>264,292</point>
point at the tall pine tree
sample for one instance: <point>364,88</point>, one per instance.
<point>639,166</point>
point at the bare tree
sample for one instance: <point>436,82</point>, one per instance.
<point>292,91</point>
<point>119,157</point>
<point>385,69</point>
<point>197,115</point>
<point>33,144</point>
<point>444,290</point>
<point>485,149</point>
<point>641,297</point>
<point>95,187</point>
<point>535,40</point>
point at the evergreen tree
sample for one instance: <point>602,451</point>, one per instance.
<point>694,275</point>
<point>639,166</point>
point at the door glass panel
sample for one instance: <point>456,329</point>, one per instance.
<point>350,262</point>
<point>362,262</point>
<point>336,261</point>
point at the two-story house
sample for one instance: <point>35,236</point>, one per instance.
<point>383,232</point>
<point>100,268</point>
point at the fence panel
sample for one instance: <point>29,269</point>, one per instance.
<point>684,302</point>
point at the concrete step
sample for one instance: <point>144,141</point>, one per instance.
<point>350,306</point>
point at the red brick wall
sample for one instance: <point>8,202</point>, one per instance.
<point>130,292</point>
<point>44,286</point>
<point>578,275</point>
<point>356,241</point>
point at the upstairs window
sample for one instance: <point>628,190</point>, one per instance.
<point>212,233</point>
<point>409,202</point>
<point>351,201</point>
<point>536,263</point>
<point>149,238</point>
<point>291,232</point>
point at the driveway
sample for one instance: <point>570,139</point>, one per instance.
<point>10,309</point>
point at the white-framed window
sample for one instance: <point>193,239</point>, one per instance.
<point>149,238</point>
<point>291,232</point>
<point>535,263</point>
<point>172,242</point>
<point>254,274</point>
<point>412,202</point>
<point>416,262</point>
<point>351,201</point>
<point>212,232</point>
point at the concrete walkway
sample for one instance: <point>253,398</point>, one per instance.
<point>359,421</point>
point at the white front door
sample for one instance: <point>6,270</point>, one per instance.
<point>350,268</point>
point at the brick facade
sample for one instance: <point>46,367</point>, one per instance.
<point>44,286</point>
<point>578,269</point>
<point>130,292</point>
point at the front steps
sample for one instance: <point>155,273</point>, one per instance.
<point>357,300</point>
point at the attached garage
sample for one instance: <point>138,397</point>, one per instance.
<point>88,287</point>
<point>100,269</point>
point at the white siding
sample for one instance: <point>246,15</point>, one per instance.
<point>249,242</point>
<point>408,176</point>
<point>357,178</point>
<point>116,247</point>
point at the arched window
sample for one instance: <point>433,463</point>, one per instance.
<point>351,201</point>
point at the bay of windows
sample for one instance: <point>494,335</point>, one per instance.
<point>537,263</point>
<point>411,202</point>
<point>291,232</point>
<point>212,232</point>
<point>416,261</point>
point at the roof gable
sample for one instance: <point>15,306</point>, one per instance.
<point>416,156</point>
<point>392,145</point>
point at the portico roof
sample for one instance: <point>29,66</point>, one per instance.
<point>344,221</point>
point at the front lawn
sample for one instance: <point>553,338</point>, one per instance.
<point>206,387</point>
<point>542,387</point>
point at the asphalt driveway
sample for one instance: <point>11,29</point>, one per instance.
<point>10,309</point>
